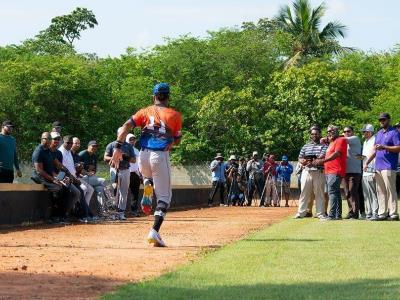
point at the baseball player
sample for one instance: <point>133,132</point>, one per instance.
<point>161,129</point>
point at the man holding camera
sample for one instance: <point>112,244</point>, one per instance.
<point>218,171</point>
<point>283,174</point>
<point>312,177</point>
<point>256,179</point>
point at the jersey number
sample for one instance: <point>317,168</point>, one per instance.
<point>152,123</point>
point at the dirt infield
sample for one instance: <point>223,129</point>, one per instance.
<point>85,261</point>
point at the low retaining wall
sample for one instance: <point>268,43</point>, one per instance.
<point>30,203</point>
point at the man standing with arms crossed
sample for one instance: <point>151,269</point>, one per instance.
<point>161,129</point>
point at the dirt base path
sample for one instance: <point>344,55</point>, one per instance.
<point>85,261</point>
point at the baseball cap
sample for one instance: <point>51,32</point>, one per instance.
<point>285,158</point>
<point>255,153</point>
<point>162,88</point>
<point>232,157</point>
<point>7,123</point>
<point>367,128</point>
<point>57,124</point>
<point>397,125</point>
<point>384,116</point>
<point>55,135</point>
<point>92,143</point>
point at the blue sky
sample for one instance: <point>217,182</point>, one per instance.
<point>372,25</point>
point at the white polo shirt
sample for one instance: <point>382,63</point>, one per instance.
<point>68,160</point>
<point>368,149</point>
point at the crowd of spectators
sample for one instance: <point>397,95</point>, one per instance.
<point>369,174</point>
<point>71,174</point>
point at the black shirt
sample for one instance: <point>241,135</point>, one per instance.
<point>127,154</point>
<point>88,160</point>
<point>45,157</point>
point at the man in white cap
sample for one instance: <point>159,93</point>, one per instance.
<point>368,177</point>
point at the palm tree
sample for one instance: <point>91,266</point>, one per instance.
<point>303,24</point>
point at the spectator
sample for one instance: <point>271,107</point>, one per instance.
<point>386,154</point>
<point>243,178</point>
<point>283,173</point>
<point>236,191</point>
<point>256,180</point>
<point>64,207</point>
<point>352,179</point>
<point>44,172</point>
<point>271,193</point>
<point>368,179</point>
<point>312,177</point>
<point>8,154</point>
<point>398,167</point>
<point>135,177</point>
<point>122,176</point>
<point>70,164</point>
<point>218,172</point>
<point>88,158</point>
<point>56,127</point>
<point>335,169</point>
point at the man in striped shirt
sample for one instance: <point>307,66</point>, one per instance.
<point>312,177</point>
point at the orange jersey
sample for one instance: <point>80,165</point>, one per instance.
<point>160,126</point>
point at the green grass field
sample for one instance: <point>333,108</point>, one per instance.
<point>295,259</point>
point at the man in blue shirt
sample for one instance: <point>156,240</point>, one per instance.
<point>218,172</point>
<point>283,174</point>
<point>8,154</point>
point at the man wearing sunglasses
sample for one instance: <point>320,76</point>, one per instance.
<point>352,180</point>
<point>386,154</point>
<point>8,154</point>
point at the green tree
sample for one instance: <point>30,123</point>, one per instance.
<point>59,37</point>
<point>303,24</point>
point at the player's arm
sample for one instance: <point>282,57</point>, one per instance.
<point>117,153</point>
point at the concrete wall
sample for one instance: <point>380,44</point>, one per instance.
<point>30,203</point>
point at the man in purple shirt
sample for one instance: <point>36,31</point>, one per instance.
<point>387,148</point>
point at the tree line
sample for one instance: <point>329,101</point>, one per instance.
<point>259,86</point>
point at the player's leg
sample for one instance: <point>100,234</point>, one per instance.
<point>145,169</point>
<point>161,172</point>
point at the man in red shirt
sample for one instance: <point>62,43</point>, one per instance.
<point>271,193</point>
<point>335,169</point>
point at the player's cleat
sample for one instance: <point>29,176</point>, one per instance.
<point>147,196</point>
<point>155,239</point>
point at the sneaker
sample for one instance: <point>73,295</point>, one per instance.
<point>155,239</point>
<point>362,216</point>
<point>308,215</point>
<point>84,220</point>
<point>209,205</point>
<point>373,218</point>
<point>298,217</point>
<point>327,219</point>
<point>349,216</point>
<point>393,218</point>
<point>221,204</point>
<point>147,196</point>
<point>121,216</point>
